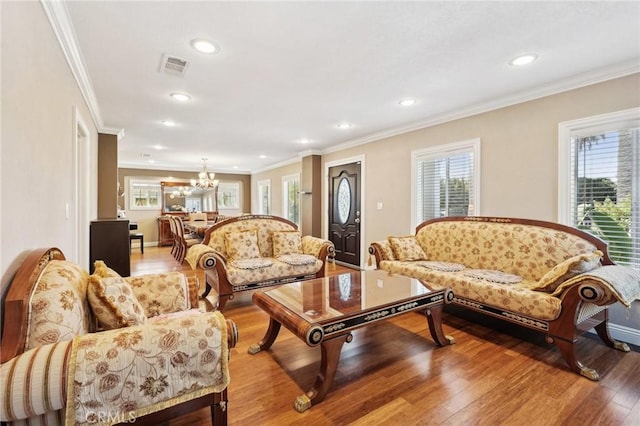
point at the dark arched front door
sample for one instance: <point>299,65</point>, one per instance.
<point>344,212</point>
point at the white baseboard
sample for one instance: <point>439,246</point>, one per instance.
<point>622,333</point>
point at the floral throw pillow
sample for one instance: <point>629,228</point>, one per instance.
<point>286,242</point>
<point>102,270</point>
<point>568,269</point>
<point>242,244</point>
<point>113,303</point>
<point>407,248</point>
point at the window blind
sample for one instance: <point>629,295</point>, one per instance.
<point>605,188</point>
<point>444,183</point>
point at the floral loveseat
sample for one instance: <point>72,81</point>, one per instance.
<point>157,356</point>
<point>548,277</point>
<point>253,251</point>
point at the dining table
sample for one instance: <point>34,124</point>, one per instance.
<point>199,226</point>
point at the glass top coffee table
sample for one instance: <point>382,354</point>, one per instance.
<point>324,311</point>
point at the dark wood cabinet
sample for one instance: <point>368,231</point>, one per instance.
<point>109,242</point>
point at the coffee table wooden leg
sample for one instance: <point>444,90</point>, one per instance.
<point>267,340</point>
<point>328,365</point>
<point>434,317</point>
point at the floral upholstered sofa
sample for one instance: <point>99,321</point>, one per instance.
<point>102,349</point>
<point>253,251</point>
<point>545,276</point>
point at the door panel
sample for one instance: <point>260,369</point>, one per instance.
<point>344,212</point>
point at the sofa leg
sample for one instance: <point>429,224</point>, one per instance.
<point>219,409</point>
<point>567,349</point>
<point>603,332</point>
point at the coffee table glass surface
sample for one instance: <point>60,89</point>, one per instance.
<point>324,311</point>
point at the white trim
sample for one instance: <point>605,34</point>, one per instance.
<point>565,129</point>
<point>575,82</point>
<point>81,164</point>
<point>363,213</point>
<point>619,332</point>
<point>58,16</point>
<point>473,145</point>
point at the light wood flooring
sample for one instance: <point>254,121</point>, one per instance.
<point>392,373</point>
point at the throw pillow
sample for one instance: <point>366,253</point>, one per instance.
<point>568,269</point>
<point>102,270</point>
<point>113,303</point>
<point>286,242</point>
<point>242,244</point>
<point>407,248</point>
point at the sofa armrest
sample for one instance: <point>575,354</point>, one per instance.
<point>381,250</point>
<point>318,247</point>
<point>605,285</point>
<point>202,256</point>
<point>133,371</point>
<point>34,382</point>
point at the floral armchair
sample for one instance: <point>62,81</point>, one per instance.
<point>102,349</point>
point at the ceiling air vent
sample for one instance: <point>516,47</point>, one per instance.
<point>173,65</point>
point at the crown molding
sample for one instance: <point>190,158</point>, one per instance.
<point>575,82</point>
<point>58,16</point>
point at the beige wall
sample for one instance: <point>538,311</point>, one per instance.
<point>275,176</point>
<point>519,146</point>
<point>39,95</point>
<point>147,219</point>
<point>519,151</point>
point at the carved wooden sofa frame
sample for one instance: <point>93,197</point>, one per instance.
<point>14,329</point>
<point>584,305</point>
<point>215,263</point>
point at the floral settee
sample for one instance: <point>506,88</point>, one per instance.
<point>253,251</point>
<point>545,276</point>
<point>102,349</point>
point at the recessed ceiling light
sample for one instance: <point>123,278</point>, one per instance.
<point>304,141</point>
<point>151,161</point>
<point>235,167</point>
<point>263,156</point>
<point>182,97</point>
<point>169,123</point>
<point>407,102</point>
<point>344,125</point>
<point>158,147</point>
<point>203,46</point>
<point>523,59</point>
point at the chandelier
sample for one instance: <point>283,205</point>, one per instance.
<point>180,192</point>
<point>205,178</point>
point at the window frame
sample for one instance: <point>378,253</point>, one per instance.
<point>471,146</point>
<point>286,181</point>
<point>590,125</point>
<point>261,184</point>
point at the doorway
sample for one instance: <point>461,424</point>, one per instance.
<point>345,214</point>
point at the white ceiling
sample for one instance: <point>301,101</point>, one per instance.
<point>292,70</point>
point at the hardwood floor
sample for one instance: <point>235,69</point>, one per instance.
<point>392,373</point>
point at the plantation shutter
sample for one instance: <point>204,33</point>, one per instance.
<point>444,183</point>
<point>605,187</point>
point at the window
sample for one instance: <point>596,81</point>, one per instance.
<point>229,196</point>
<point>446,181</point>
<point>144,195</point>
<point>599,188</point>
<point>264,196</point>
<point>291,198</point>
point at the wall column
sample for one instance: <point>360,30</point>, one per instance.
<point>107,176</point>
<point>311,195</point>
